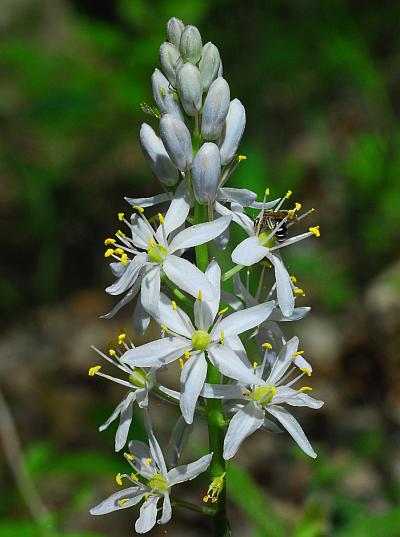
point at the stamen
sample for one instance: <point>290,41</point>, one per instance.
<point>108,252</point>
<point>124,259</point>
<point>112,352</point>
<point>200,295</point>
<point>121,234</point>
<point>297,206</point>
<point>255,364</point>
<point>148,461</point>
<point>315,231</point>
<point>288,194</point>
<point>129,456</point>
<point>215,489</point>
<point>181,363</point>
<point>137,208</point>
<point>221,312</point>
<point>305,389</point>
<point>299,291</point>
<point>122,502</point>
<point>241,157</point>
<point>93,370</point>
<point>187,354</point>
<point>121,217</point>
<point>267,345</point>
<point>173,304</point>
<point>294,279</point>
<point>161,218</point>
<point>265,264</point>
<point>266,193</point>
<point>134,477</point>
<point>306,371</point>
<point>121,338</point>
<point>107,242</point>
<point>222,337</point>
<point>298,353</point>
<point>118,479</point>
<point>118,251</point>
<point>165,328</point>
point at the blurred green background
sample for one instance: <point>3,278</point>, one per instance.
<point>321,84</point>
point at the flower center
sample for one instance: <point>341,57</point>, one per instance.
<point>158,484</point>
<point>263,394</point>
<point>156,252</point>
<point>138,378</point>
<point>201,340</point>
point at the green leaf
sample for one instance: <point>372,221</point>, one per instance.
<point>383,525</point>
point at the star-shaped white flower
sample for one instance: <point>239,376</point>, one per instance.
<point>211,333</point>
<point>155,485</point>
<point>254,401</point>
<point>157,251</point>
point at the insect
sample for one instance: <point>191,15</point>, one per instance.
<point>270,220</point>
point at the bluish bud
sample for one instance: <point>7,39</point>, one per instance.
<point>169,59</point>
<point>164,95</point>
<point>209,65</point>
<point>177,141</point>
<point>215,109</point>
<point>190,44</point>
<point>220,69</point>
<point>206,173</point>
<point>175,28</point>
<point>189,88</point>
<point>232,133</point>
<point>157,157</point>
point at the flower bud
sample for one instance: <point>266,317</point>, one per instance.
<point>175,28</point>
<point>206,173</point>
<point>215,109</point>
<point>209,65</point>
<point>169,59</point>
<point>189,88</point>
<point>157,157</point>
<point>177,141</point>
<point>190,44</point>
<point>220,69</point>
<point>163,95</point>
<point>233,131</point>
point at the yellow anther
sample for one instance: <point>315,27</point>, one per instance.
<point>214,489</point>
<point>165,328</point>
<point>173,304</point>
<point>107,242</point>
<point>222,337</point>
<point>299,291</point>
<point>306,371</point>
<point>118,479</point>
<point>315,231</point>
<point>118,251</point>
<point>266,192</point>
<point>200,295</point>
<point>297,206</point>
<point>181,363</point>
<point>187,354</point>
<point>294,279</point>
<point>122,502</point>
<point>134,477</point>
<point>305,389</point>
<point>121,338</point>
<point>124,259</point>
<point>148,461</point>
<point>221,312</point>
<point>93,370</point>
<point>121,216</point>
<point>298,353</point>
<point>288,194</point>
<point>265,264</point>
<point>241,157</point>
<point>138,208</point>
<point>129,456</point>
<point>108,252</point>
<point>267,345</point>
<point>255,364</point>
<point>161,218</point>
<point>120,233</point>
<point>111,352</point>
<point>291,213</point>
<point>206,498</point>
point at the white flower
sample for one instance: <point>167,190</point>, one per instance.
<point>216,335</point>
<point>148,462</point>
<point>157,252</point>
<point>255,400</point>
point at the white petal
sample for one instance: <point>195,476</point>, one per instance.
<point>189,471</point>
<point>294,398</point>
<point>243,424</point>
<point>177,212</point>
<point>130,295</point>
<point>150,290</point>
<point>155,449</point>
<point>292,240</point>
<point>242,196</point>
<point>132,494</point>
<point>148,515</point>
<point>141,231</point>
<point>141,318</point>
<point>230,365</point>
<point>283,361</point>
<point>193,377</point>
<point>149,202</point>
<point>187,277</point>
<point>293,428</point>
<point>242,320</point>
<point>243,292</point>
<point>124,423</point>
<point>249,252</point>
<point>141,462</point>
<point>175,320</point>
<point>303,364</point>
<point>296,315</point>
<point>166,510</point>
<point>199,234</point>
<point>222,391</point>
<point>284,289</point>
<point>178,440</point>
<point>205,311</point>
<point>265,205</point>
<point>234,343</point>
<point>271,427</point>
<point>128,278</point>
<point>156,353</point>
<point>117,411</point>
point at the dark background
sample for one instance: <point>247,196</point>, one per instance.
<point>320,81</point>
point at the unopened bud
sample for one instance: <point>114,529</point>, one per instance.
<point>206,173</point>
<point>176,138</point>
<point>209,65</point>
<point>164,96</point>
<point>220,69</point>
<point>215,109</point>
<point>233,131</point>
<point>190,44</point>
<point>169,59</point>
<point>189,88</point>
<point>175,28</point>
<point>157,157</point>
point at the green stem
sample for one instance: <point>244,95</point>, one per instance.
<point>231,272</point>
<point>184,299</point>
<point>215,417</point>
<point>209,511</point>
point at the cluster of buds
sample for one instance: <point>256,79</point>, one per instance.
<point>236,366</point>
